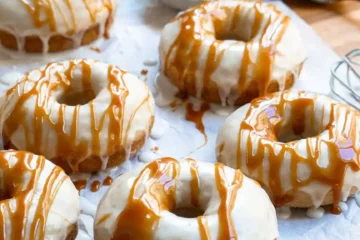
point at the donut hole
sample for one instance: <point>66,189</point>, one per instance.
<point>298,121</point>
<point>5,194</point>
<point>286,137</point>
<point>231,35</point>
<point>188,212</point>
<point>75,98</point>
<point>240,29</point>
<point>79,90</point>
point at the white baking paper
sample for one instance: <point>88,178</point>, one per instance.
<point>134,47</point>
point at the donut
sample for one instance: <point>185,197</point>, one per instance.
<point>52,26</point>
<point>82,115</point>
<point>183,4</point>
<point>170,199</point>
<point>302,147</point>
<point>230,52</point>
<point>38,200</point>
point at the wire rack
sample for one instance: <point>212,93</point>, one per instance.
<point>345,79</point>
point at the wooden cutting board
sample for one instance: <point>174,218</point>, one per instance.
<point>338,23</point>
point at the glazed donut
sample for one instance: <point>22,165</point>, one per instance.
<point>52,26</point>
<point>82,115</point>
<point>38,201</point>
<point>302,147</point>
<point>183,4</point>
<point>146,203</point>
<point>230,52</point>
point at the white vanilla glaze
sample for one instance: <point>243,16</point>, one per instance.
<point>161,126</point>
<point>43,204</point>
<point>139,204</point>
<point>87,207</point>
<point>77,109</point>
<point>295,142</point>
<point>44,19</point>
<point>343,206</point>
<point>315,212</point>
<point>283,212</point>
<point>147,156</point>
<point>150,62</point>
<point>233,49</point>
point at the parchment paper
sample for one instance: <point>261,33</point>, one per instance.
<point>134,44</point>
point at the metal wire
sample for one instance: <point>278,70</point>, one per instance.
<point>345,79</point>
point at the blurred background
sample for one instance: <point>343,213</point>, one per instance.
<point>337,23</point>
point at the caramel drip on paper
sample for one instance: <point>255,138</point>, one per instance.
<point>21,193</point>
<point>108,181</point>
<point>68,147</point>
<point>43,13</point>
<point>181,63</point>
<point>196,116</point>
<point>95,186</point>
<point>341,145</point>
<point>80,184</point>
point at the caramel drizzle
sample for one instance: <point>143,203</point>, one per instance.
<point>196,117</point>
<point>141,215</point>
<point>203,228</point>
<point>94,9</point>
<point>23,196</point>
<point>270,38</point>
<point>187,48</point>
<point>157,181</point>
<point>195,192</point>
<point>67,147</point>
<point>194,184</point>
<point>228,194</point>
<point>342,151</point>
<point>95,186</point>
<point>37,8</point>
<point>108,181</point>
<point>132,116</point>
<point>182,59</point>
<point>104,218</point>
<point>80,184</point>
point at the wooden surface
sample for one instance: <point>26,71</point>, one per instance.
<point>338,23</point>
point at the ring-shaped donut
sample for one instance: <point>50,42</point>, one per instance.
<point>83,115</point>
<point>145,203</point>
<point>302,147</point>
<point>183,4</point>
<point>53,26</point>
<point>38,200</point>
<point>230,52</point>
